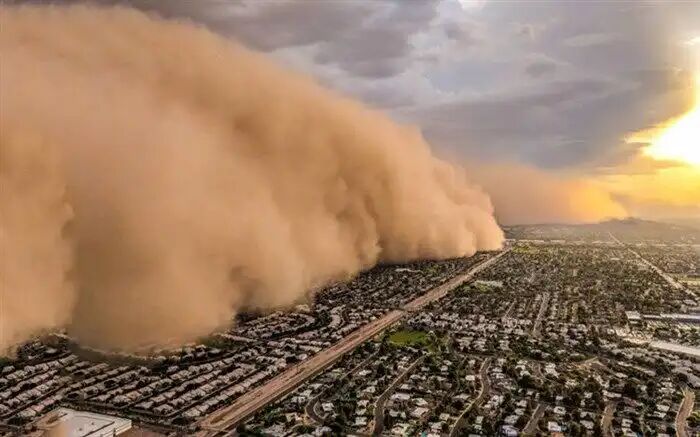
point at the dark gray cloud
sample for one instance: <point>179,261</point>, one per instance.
<point>553,83</point>
<point>380,45</point>
<point>563,123</point>
<point>278,24</point>
<point>364,38</point>
<point>460,32</point>
<point>530,127</point>
<point>260,24</point>
<point>540,68</point>
<point>270,24</point>
<point>596,71</point>
<point>375,52</point>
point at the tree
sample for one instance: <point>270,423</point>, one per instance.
<point>521,422</point>
<point>630,390</point>
<point>526,381</point>
<point>576,430</point>
<point>304,429</point>
<point>573,400</point>
<point>635,427</point>
<point>597,429</point>
<point>487,427</point>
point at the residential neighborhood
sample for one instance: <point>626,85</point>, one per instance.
<point>580,335</point>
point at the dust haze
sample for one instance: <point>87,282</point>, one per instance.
<point>524,194</point>
<point>157,179</point>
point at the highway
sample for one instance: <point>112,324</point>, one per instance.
<point>227,418</point>
<point>278,386</point>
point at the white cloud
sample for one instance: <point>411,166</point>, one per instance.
<point>589,39</point>
<point>693,41</point>
<point>471,4</point>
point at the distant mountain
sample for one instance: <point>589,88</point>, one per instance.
<point>629,230</point>
<point>649,225</point>
<point>689,222</point>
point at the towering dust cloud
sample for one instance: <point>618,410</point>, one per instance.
<point>156,179</point>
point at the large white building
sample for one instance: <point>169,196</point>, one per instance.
<point>65,422</point>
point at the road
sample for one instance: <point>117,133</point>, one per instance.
<point>685,410</point>
<point>591,362</point>
<point>668,278</point>
<point>485,390</point>
<point>506,314</point>
<point>606,420</point>
<point>310,410</point>
<point>379,406</point>
<point>531,427</point>
<point>442,290</point>
<point>280,385</point>
<point>537,370</point>
<point>228,417</point>
<point>311,407</point>
<point>538,322</point>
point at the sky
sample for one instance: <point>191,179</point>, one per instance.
<point>571,89</point>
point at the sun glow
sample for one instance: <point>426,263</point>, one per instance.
<point>680,141</point>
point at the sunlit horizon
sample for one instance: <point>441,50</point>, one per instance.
<point>679,141</point>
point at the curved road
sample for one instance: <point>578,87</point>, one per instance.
<point>379,405</point>
<point>485,390</point>
<point>685,410</point>
<point>229,417</point>
<point>310,408</point>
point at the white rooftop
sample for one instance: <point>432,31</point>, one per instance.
<point>73,423</point>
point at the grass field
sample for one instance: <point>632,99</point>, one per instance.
<point>525,249</point>
<point>409,338</point>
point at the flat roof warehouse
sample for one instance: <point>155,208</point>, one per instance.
<point>73,423</point>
